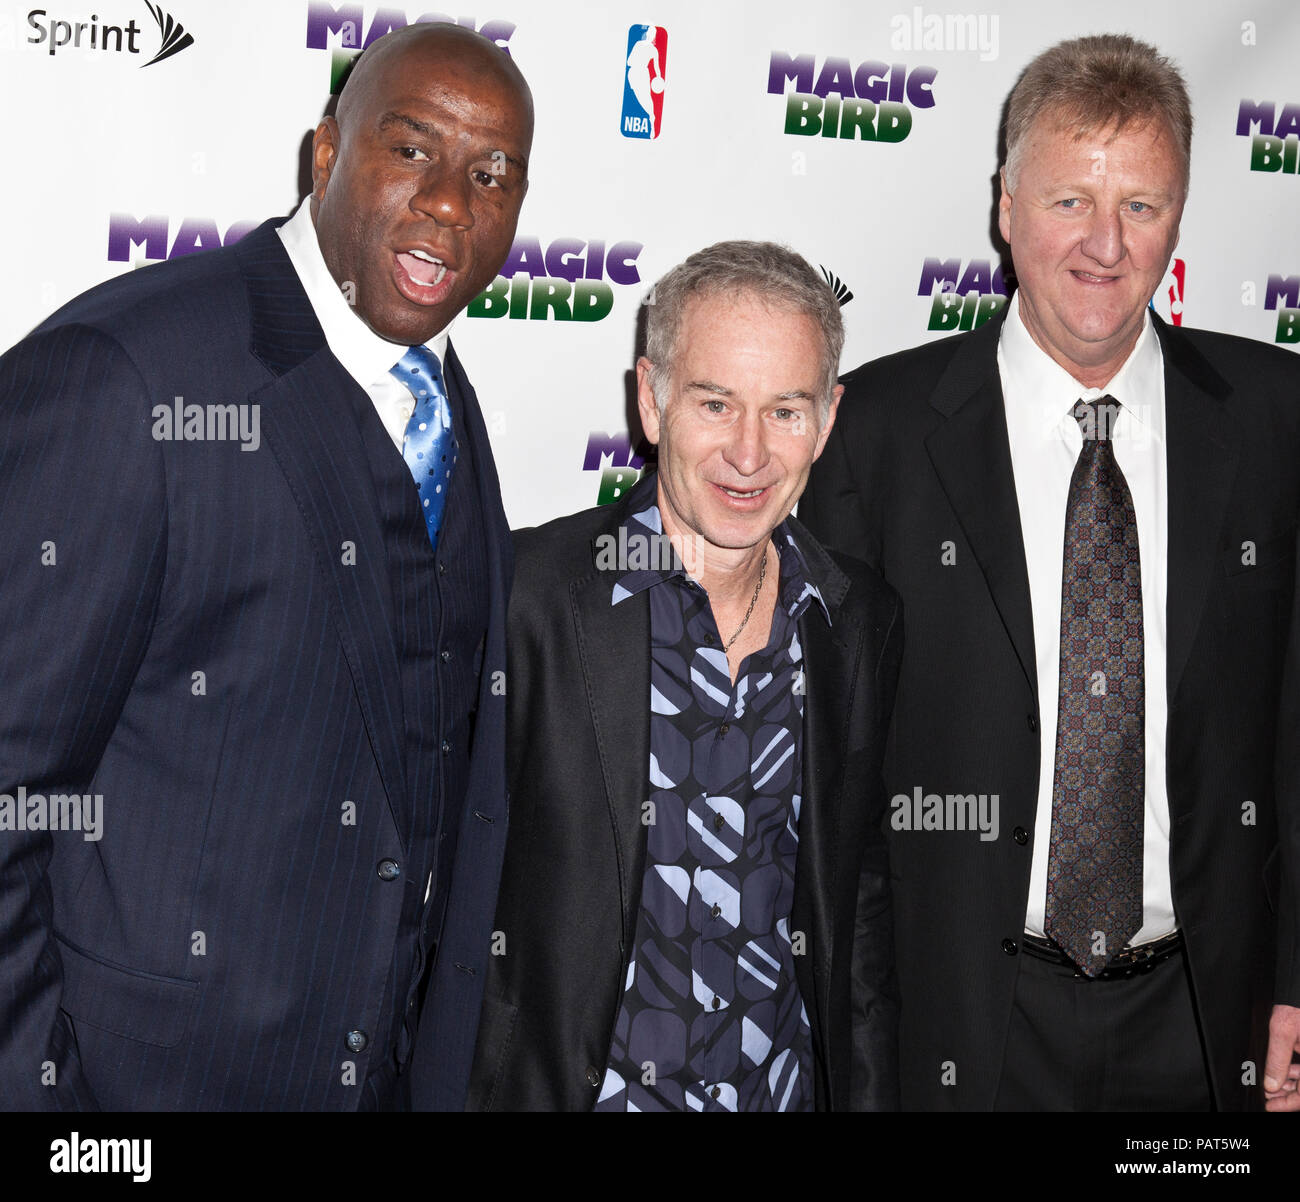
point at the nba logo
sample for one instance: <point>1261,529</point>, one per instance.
<point>643,85</point>
<point>1169,298</point>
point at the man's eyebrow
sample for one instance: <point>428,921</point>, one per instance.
<point>392,118</point>
<point>794,394</point>
<point>389,119</point>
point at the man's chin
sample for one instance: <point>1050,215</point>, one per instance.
<point>1093,341</point>
<point>409,329</point>
<point>1100,326</point>
<point>734,536</point>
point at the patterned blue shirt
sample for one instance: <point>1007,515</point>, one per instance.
<point>710,1017</point>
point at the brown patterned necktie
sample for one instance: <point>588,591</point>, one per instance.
<point>1094,866</point>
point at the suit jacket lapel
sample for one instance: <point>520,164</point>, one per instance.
<point>614,646</point>
<point>972,456</point>
<point>500,548</point>
<point>309,425</point>
<point>1201,459</point>
<point>832,657</point>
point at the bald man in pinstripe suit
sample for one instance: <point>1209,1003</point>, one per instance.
<point>273,672</point>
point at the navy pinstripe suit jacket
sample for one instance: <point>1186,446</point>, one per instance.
<point>226,933</point>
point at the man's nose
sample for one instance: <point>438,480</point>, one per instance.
<point>444,195</point>
<point>746,450</point>
<point>1103,241</point>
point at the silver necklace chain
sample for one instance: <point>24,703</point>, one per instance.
<point>758,588</point>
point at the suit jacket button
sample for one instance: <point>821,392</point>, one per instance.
<point>389,870</point>
<point>1020,835</point>
<point>1033,723</point>
<point>357,1041</point>
<point>593,1077</point>
<point>1009,946</point>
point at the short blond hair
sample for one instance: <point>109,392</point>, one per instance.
<point>1105,81</point>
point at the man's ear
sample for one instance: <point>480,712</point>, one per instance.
<point>1004,209</point>
<point>836,393</point>
<point>645,400</point>
<point>324,150</point>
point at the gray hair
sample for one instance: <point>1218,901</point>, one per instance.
<point>1096,83</point>
<point>772,274</point>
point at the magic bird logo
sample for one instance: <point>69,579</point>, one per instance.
<point>345,31</point>
<point>963,295</point>
<point>872,102</point>
<point>90,34</point>
<point>1274,133</point>
<point>152,234</point>
<point>619,463</point>
<point>1282,296</point>
<point>568,279</point>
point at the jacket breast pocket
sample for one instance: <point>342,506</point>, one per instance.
<point>123,1001</point>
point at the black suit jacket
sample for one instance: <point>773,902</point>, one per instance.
<point>228,942</point>
<point>919,457</point>
<point>578,775</point>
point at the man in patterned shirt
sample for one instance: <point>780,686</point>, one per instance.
<point>695,909</point>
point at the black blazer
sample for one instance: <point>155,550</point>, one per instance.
<point>229,931</point>
<point>578,766</point>
<point>920,457</point>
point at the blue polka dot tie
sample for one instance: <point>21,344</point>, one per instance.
<point>428,446</point>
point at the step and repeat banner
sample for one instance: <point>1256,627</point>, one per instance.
<point>862,134</point>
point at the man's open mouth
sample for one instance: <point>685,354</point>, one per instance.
<point>422,267</point>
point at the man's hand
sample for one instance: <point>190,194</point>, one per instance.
<point>1280,1074</point>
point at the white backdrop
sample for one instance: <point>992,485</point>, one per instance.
<point>183,148</point>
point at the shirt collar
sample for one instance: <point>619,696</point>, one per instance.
<point>797,584</point>
<point>641,533</point>
<point>365,356</point>
<point>1043,394</point>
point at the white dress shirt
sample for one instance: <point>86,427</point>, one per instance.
<point>1045,442</point>
<point>365,356</point>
